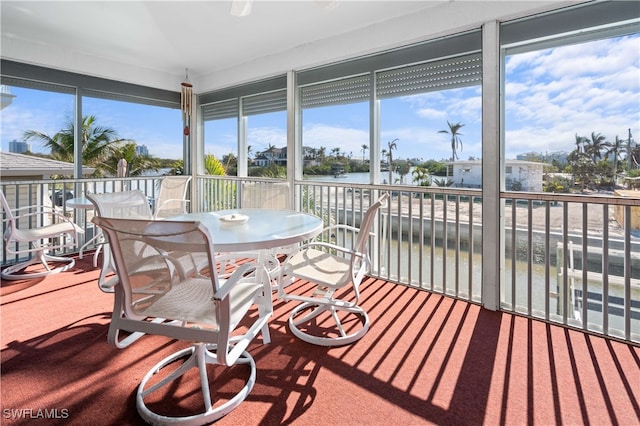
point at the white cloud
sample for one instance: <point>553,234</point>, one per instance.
<point>431,113</point>
<point>553,95</point>
<point>259,138</point>
<point>349,140</point>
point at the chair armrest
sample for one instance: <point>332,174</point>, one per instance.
<point>38,211</point>
<point>330,246</point>
<point>340,227</point>
<point>236,277</point>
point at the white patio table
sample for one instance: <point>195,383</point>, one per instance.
<point>240,230</point>
<point>256,230</point>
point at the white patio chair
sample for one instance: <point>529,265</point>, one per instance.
<point>201,309</point>
<point>331,267</point>
<point>172,197</point>
<point>35,231</point>
<point>126,204</point>
<point>266,195</point>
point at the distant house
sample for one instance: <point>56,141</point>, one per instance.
<point>519,175</point>
<point>14,166</point>
<point>276,156</point>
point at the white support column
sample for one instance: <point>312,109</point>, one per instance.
<point>243,145</point>
<point>374,134</point>
<point>294,138</point>
<point>492,159</point>
<point>77,146</point>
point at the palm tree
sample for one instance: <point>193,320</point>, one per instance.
<point>271,149</point>
<point>216,195</point>
<point>322,151</point>
<point>580,141</point>
<point>616,148</point>
<point>136,164</point>
<point>595,146</point>
<point>97,143</point>
<point>582,167</point>
<point>213,166</point>
<point>392,145</point>
<point>249,152</point>
<point>454,131</point>
<point>443,182</point>
<point>364,147</point>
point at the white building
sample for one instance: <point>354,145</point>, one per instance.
<point>19,147</point>
<point>142,150</point>
<point>275,156</point>
<point>519,175</point>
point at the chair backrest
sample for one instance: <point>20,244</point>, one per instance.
<point>126,204</point>
<point>42,229</point>
<point>168,290</point>
<point>271,195</point>
<point>137,244</point>
<point>172,196</point>
<point>366,224</point>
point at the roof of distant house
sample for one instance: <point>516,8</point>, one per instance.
<point>13,164</point>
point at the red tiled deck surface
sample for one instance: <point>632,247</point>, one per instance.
<point>427,359</point>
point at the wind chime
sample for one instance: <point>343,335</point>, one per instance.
<point>186,95</point>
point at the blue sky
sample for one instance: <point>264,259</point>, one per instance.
<point>551,95</point>
<point>158,128</point>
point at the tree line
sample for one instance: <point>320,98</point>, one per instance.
<point>595,163</point>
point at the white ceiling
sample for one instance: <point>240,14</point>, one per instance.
<point>153,42</point>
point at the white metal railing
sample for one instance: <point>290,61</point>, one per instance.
<point>556,248</point>
<point>413,247</point>
<point>412,242</point>
<point>57,192</point>
<point>559,248</point>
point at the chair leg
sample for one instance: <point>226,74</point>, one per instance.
<point>12,272</point>
<point>308,311</point>
<point>197,356</point>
